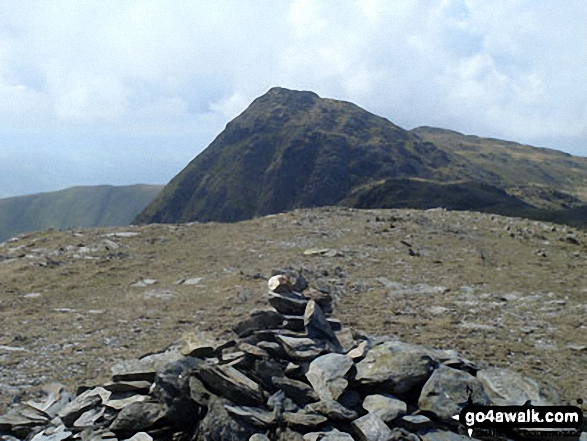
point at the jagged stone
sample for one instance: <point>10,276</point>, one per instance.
<point>317,327</point>
<point>288,303</point>
<point>121,400</point>
<point>172,388</point>
<point>145,368</point>
<point>322,297</point>
<point>371,428</point>
<point>415,423</point>
<point>395,366</point>
<point>253,350</point>
<point>200,345</point>
<point>128,386</point>
<point>258,320</point>
<point>98,435</point>
<point>82,403</point>
<point>280,283</point>
<point>447,392</point>
<point>288,434</point>
<point>230,383</point>
<point>140,436</point>
<point>264,371</point>
<point>252,415</point>
<point>58,433</point>
<point>326,375</point>
<point>301,348</point>
<point>333,410</point>
<point>138,417</point>
<point>359,351</point>
<point>295,276</point>
<point>303,419</point>
<point>219,425</point>
<point>442,435</point>
<point>259,437</point>
<point>507,388</point>
<point>21,420</point>
<point>89,418</point>
<point>386,407</point>
<point>198,392</point>
<point>298,391</point>
<point>331,435</point>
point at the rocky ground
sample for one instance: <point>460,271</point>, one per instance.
<point>503,292</point>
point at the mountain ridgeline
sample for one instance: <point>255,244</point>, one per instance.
<point>293,149</point>
<point>88,206</point>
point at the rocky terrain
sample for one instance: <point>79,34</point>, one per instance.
<point>503,292</point>
<point>289,372</point>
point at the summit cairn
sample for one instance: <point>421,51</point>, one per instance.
<point>290,373</point>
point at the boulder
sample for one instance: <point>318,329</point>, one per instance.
<point>395,367</point>
<point>447,392</point>
<point>507,388</point>
<point>386,407</point>
<point>371,428</point>
<point>326,375</point>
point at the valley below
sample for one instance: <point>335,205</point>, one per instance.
<point>504,292</point>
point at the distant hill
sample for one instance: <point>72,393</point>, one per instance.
<point>91,206</point>
<point>293,149</point>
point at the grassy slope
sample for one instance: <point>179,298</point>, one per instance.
<point>91,206</point>
<point>538,175</point>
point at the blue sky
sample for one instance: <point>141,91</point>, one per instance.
<point>123,92</point>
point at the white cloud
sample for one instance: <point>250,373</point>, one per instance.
<point>514,69</point>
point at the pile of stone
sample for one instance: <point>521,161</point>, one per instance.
<point>289,373</point>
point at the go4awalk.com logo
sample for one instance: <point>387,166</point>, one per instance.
<point>554,422</point>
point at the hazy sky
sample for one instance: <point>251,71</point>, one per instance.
<point>121,92</point>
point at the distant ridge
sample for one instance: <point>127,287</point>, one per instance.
<point>88,206</point>
<point>293,149</point>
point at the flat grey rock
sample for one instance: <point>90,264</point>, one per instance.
<point>144,369</point>
<point>303,419</point>
<point>252,415</point>
<point>288,303</point>
<point>508,388</point>
<point>258,320</point>
<point>327,375</point>
<point>230,383</point>
<point>198,344</point>
<point>371,428</point>
<point>441,435</point>
<point>140,436</point>
<point>137,417</point>
<point>298,391</point>
<point>59,433</point>
<point>331,435</point>
<point>333,410</point>
<point>301,348</point>
<point>386,407</point>
<point>82,403</point>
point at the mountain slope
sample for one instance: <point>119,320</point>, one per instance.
<point>288,150</point>
<point>543,177</point>
<point>91,206</point>
<point>292,149</point>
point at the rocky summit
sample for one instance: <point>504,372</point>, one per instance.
<point>289,372</point>
<point>293,149</point>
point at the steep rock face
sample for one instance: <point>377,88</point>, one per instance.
<point>292,149</point>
